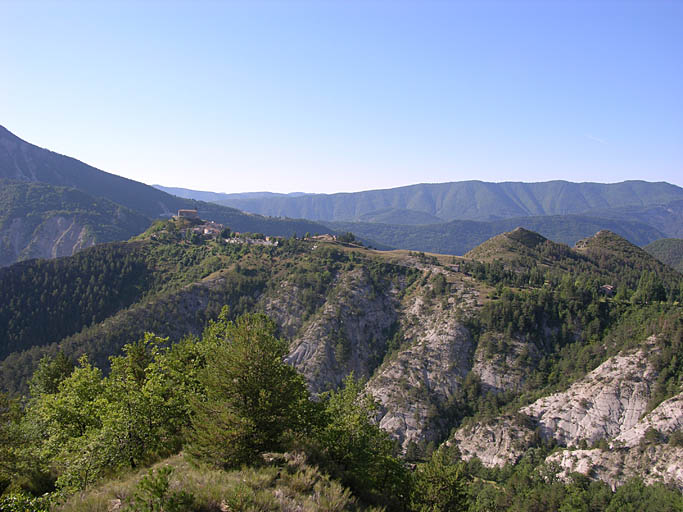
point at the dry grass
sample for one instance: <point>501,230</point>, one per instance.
<point>286,483</point>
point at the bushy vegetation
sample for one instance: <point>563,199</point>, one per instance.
<point>230,403</point>
<point>226,398</point>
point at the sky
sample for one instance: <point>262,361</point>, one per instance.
<point>336,96</point>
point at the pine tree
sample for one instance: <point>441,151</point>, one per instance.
<point>252,397</point>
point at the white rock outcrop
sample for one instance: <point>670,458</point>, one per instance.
<point>347,334</point>
<point>606,402</point>
<point>497,442</point>
<point>416,385</point>
<point>666,419</point>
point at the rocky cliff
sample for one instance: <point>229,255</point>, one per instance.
<point>602,405</point>
<point>347,334</point>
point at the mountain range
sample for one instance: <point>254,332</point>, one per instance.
<point>448,218</point>
<point>464,200</point>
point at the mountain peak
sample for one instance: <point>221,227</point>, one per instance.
<point>509,246</point>
<point>526,237</point>
<point>603,238</point>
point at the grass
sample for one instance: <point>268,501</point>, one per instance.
<point>286,482</point>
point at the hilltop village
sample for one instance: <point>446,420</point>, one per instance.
<point>209,229</point>
<point>212,230</point>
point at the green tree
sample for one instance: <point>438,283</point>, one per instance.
<point>439,485</point>
<point>50,372</point>
<point>252,397</point>
<point>11,439</point>
<point>634,496</point>
<point>347,237</point>
<point>70,422</point>
<point>650,288</point>
<point>91,425</point>
<point>361,454</point>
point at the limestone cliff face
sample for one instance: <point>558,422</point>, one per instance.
<point>286,307</point>
<point>608,405</point>
<point>653,463</point>
<point>665,419</point>
<point>59,236</point>
<point>497,442</point>
<point>607,401</point>
<point>647,449</point>
<point>350,332</point>
<point>415,387</point>
<point>347,334</point>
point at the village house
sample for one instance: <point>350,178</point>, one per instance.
<point>188,214</point>
<point>325,238</point>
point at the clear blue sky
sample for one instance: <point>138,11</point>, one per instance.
<point>349,95</point>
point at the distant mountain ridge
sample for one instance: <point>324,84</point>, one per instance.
<point>21,160</point>
<point>202,195</point>
<point>416,217</point>
<point>466,200</point>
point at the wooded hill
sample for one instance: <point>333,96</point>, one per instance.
<point>459,236</point>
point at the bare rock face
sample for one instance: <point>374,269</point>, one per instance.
<point>347,334</point>
<point>58,235</point>
<point>665,419</point>
<point>497,442</point>
<point>286,308</point>
<point>415,386</point>
<point>606,404</point>
<point>607,401</point>
<point>503,363</point>
<point>654,463</point>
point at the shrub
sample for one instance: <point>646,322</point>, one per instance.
<point>154,494</point>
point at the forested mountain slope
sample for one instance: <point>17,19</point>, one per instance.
<point>467,200</point>
<point>45,221</point>
<point>20,160</point>
<point>666,217</point>
<point>669,251</point>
